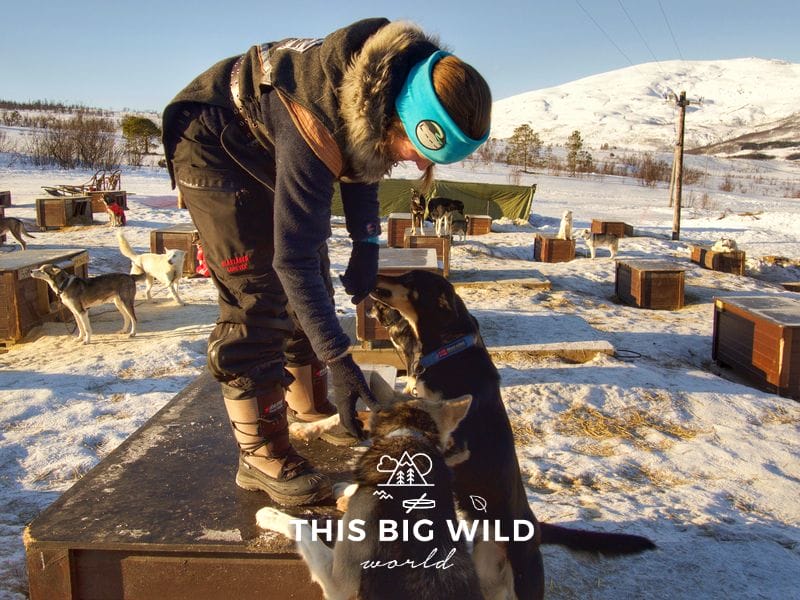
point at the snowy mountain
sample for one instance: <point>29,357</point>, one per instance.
<point>629,107</point>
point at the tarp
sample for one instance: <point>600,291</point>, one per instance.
<point>493,199</point>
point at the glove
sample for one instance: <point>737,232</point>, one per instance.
<point>348,386</point>
<point>362,271</point>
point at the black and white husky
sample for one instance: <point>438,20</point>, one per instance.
<point>600,240</point>
<point>79,294</point>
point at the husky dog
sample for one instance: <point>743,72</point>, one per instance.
<point>164,268</point>
<point>16,228</point>
<point>565,229</point>
<point>79,294</point>
<point>440,211</point>
<point>724,245</point>
<point>411,438</point>
<point>458,225</point>
<point>116,214</point>
<point>417,212</point>
<point>600,240</point>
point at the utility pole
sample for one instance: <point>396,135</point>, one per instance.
<point>676,182</point>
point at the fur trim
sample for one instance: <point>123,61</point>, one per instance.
<point>364,98</point>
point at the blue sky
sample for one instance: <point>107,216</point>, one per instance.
<point>118,54</point>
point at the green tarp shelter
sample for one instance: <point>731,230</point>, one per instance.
<point>493,199</point>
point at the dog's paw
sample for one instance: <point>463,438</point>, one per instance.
<point>304,431</point>
<point>274,520</point>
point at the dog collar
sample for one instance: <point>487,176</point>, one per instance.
<point>69,281</point>
<point>451,349</point>
<point>427,123</point>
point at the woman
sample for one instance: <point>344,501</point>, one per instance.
<point>254,146</point>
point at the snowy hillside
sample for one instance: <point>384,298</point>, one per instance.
<point>627,107</point>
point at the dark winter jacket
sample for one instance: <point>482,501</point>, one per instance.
<point>338,94</point>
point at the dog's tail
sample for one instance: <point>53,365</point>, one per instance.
<point>594,541</point>
<point>125,247</point>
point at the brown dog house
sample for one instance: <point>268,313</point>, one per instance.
<point>549,249</point>
<point>63,211</point>
<point>179,237</point>
<point>758,337</point>
<point>26,302</point>
<point>392,261</point>
<point>396,226</point>
<point>119,197</point>
<point>724,262</point>
<point>617,228</point>
<point>478,224</point>
<point>440,244</point>
<point>650,283</point>
<point>5,198</point>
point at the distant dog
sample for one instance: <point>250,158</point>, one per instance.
<point>417,212</point>
<point>724,245</point>
<point>565,229</point>
<point>79,294</point>
<point>116,214</point>
<point>409,440</point>
<point>440,212</point>
<point>458,225</point>
<point>164,268</point>
<point>16,228</point>
<point>600,240</point>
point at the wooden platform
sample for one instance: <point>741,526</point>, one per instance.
<point>63,211</point>
<point>618,228</point>
<point>759,338</point>
<point>440,244</point>
<point>160,517</point>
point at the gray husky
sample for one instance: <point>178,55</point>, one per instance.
<point>79,294</point>
<point>599,240</point>
<point>16,228</point>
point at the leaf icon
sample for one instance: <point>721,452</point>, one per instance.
<point>478,503</point>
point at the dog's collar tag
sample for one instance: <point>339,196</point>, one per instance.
<point>459,345</point>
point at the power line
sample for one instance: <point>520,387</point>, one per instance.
<point>641,37</point>
<point>678,48</point>
<point>603,31</point>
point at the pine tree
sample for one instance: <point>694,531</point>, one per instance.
<point>574,146</point>
<point>524,148</point>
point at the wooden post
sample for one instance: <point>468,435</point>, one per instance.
<point>677,170</point>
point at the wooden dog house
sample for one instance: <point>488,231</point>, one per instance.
<point>618,228</point>
<point>759,338</point>
<point>5,198</point>
<point>178,237</point>
<point>26,302</point>
<point>650,283</point>
<point>392,261</point>
<point>440,244</point>
<point>119,197</point>
<point>63,211</point>
<point>478,224</point>
<point>396,226</point>
<point>726,262</point>
<point>549,249</point>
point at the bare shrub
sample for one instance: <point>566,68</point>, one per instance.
<point>76,142</point>
<point>727,184</point>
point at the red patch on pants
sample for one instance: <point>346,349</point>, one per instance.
<point>236,264</point>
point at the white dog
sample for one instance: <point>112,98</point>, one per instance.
<point>565,230</point>
<point>165,268</point>
<point>724,245</point>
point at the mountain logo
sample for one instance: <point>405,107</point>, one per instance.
<point>409,471</point>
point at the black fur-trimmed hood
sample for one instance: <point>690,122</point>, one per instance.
<point>370,84</point>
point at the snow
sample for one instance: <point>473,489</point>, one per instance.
<point>628,107</point>
<point>655,440</point>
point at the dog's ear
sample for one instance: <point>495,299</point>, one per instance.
<point>384,393</point>
<point>447,414</point>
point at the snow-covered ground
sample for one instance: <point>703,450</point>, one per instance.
<point>656,440</point>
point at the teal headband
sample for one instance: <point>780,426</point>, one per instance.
<point>426,122</point>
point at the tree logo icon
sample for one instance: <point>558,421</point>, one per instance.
<point>409,471</point>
